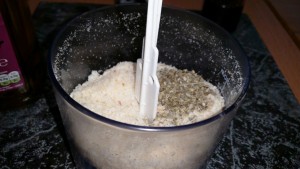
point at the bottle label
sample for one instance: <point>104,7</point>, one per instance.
<point>10,73</point>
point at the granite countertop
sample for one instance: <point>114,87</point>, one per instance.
<point>264,134</point>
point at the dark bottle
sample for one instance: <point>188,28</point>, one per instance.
<point>226,13</point>
<point>20,61</point>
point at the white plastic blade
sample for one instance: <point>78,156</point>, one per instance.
<point>147,84</point>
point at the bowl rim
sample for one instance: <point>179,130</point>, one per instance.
<point>82,109</point>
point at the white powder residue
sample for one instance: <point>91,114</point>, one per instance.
<point>112,95</point>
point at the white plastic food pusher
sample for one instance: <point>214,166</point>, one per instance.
<point>147,84</point>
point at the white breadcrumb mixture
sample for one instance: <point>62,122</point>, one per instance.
<point>112,95</point>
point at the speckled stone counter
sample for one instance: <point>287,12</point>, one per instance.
<point>265,133</point>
